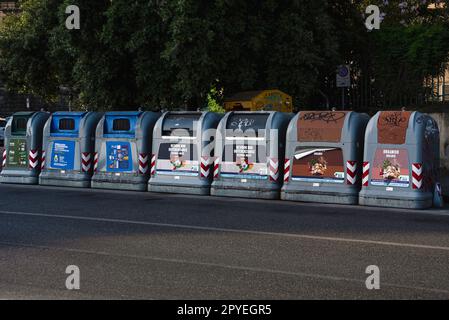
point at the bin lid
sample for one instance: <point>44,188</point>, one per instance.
<point>124,113</point>
<point>24,113</point>
<point>321,126</point>
<point>69,113</point>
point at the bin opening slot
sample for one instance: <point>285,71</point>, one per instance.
<point>67,124</point>
<point>180,125</point>
<point>121,124</point>
<point>19,125</point>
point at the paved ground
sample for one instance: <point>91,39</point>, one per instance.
<point>156,246</point>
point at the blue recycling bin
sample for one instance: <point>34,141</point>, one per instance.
<point>123,149</point>
<point>69,142</point>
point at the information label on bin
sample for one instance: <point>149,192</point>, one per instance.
<point>119,156</point>
<point>178,159</point>
<point>318,165</point>
<point>391,168</point>
<point>17,153</point>
<point>245,160</point>
<point>63,155</point>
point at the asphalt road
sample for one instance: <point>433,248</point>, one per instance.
<point>131,245</point>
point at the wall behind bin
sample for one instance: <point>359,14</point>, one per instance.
<point>443,124</point>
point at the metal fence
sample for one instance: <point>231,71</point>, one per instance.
<point>365,95</point>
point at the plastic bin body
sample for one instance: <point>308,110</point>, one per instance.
<point>401,160</point>
<point>250,150</point>
<point>23,147</point>
<point>122,150</point>
<point>324,157</point>
<point>183,153</point>
<point>68,149</point>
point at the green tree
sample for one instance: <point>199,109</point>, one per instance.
<point>171,54</point>
<point>246,45</point>
<point>26,58</point>
<point>411,45</point>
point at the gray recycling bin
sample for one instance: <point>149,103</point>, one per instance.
<point>23,147</point>
<point>122,150</point>
<point>183,151</point>
<point>68,149</point>
<point>401,160</point>
<point>324,155</point>
<point>249,151</point>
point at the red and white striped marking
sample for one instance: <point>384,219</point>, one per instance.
<point>153,165</point>
<point>216,168</point>
<point>95,161</point>
<point>417,175</point>
<point>351,172</point>
<point>43,160</point>
<point>205,167</point>
<point>273,167</point>
<point>33,159</point>
<point>4,158</point>
<point>86,161</point>
<point>287,170</point>
<point>143,163</point>
<point>365,174</point>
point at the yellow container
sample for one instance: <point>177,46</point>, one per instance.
<point>267,100</point>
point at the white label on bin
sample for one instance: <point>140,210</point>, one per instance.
<point>117,174</point>
<point>62,171</point>
<point>389,189</point>
<point>244,180</point>
<point>316,185</point>
<point>177,177</point>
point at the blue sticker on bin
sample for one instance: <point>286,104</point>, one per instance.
<point>63,154</point>
<point>119,158</point>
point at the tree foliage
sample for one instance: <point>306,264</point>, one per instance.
<point>411,45</point>
<point>189,53</point>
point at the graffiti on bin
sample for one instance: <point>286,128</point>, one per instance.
<point>323,116</point>
<point>395,119</point>
<point>319,126</point>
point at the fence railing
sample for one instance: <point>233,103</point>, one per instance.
<point>8,5</point>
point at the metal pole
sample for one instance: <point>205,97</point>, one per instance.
<point>342,98</point>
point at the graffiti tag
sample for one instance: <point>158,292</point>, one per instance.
<point>323,116</point>
<point>394,119</point>
<point>242,123</point>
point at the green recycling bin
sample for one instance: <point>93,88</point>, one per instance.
<point>23,147</point>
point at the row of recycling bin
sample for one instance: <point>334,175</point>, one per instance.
<point>341,157</point>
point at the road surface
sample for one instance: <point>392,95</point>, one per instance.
<point>131,245</point>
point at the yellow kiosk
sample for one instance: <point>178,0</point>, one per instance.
<point>266,100</point>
